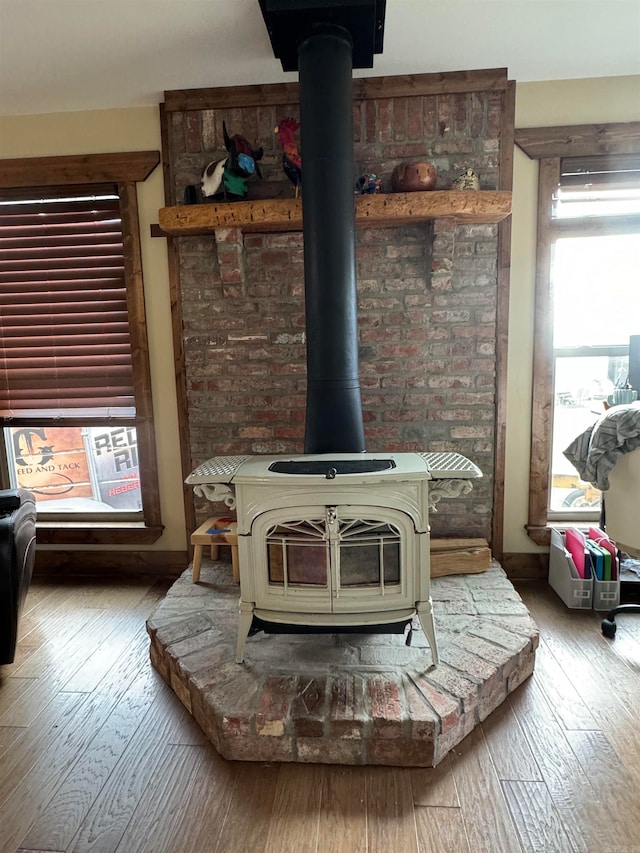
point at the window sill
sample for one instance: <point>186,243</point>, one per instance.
<point>96,533</point>
<point>541,534</point>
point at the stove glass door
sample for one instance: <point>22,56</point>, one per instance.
<point>333,559</point>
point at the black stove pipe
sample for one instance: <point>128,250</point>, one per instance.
<point>334,410</point>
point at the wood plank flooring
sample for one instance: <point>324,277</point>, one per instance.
<point>97,754</point>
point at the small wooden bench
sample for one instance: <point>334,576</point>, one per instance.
<point>213,532</point>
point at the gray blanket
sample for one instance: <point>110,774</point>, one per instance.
<point>595,451</point>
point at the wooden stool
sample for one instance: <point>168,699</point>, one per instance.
<point>215,531</point>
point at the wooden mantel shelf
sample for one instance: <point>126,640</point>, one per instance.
<point>481,207</point>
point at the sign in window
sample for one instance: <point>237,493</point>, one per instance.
<point>76,469</point>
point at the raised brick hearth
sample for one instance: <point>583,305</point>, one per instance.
<point>337,698</point>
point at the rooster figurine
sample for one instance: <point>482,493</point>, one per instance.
<point>291,160</point>
<point>243,159</point>
<point>226,179</point>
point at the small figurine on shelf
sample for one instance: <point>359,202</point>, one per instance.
<point>225,179</point>
<point>291,160</point>
<point>211,179</point>
<point>243,159</point>
<point>368,185</point>
<point>468,180</point>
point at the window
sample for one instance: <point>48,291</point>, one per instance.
<point>75,396</point>
<point>587,301</point>
<point>596,309</point>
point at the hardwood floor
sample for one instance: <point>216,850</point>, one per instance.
<point>97,754</point>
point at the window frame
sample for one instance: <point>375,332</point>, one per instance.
<point>549,145</point>
<point>124,169</point>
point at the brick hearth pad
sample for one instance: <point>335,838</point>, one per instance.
<point>343,698</point>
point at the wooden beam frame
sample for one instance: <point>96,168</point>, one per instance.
<point>364,88</point>
<point>549,145</point>
<point>579,140</point>
<point>176,329</point>
<point>120,167</point>
<point>542,403</point>
<point>505,182</point>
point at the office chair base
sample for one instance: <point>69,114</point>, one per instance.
<point>609,626</point>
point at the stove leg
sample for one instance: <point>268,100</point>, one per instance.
<point>244,626</point>
<point>425,617</point>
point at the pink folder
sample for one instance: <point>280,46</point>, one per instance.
<point>575,542</point>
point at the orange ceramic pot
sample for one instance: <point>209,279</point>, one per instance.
<point>417,176</point>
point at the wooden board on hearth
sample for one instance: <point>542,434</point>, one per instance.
<point>459,556</point>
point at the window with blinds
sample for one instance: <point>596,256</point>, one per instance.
<point>612,171</point>
<point>594,244</point>
<point>65,347</point>
<point>76,409</point>
<point>597,186</point>
<point>66,369</point>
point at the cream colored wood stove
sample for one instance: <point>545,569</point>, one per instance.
<point>334,541</point>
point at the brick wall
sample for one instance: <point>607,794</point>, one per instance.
<point>427,299</point>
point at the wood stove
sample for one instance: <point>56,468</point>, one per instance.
<point>337,539</point>
<point>334,542</point>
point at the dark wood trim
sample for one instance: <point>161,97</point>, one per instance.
<point>539,533</point>
<point>505,182</point>
<point>441,83</point>
<point>177,327</point>
<point>507,130</point>
<point>542,397</point>
<point>68,565</point>
<point>526,566</point>
<point>364,88</point>
<point>549,145</point>
<point>167,155</point>
<point>119,167</point>
<point>95,533</point>
<point>231,97</point>
<point>579,140</point>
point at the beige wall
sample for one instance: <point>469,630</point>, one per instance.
<point>591,101</point>
<point>126,130</point>
<point>537,104</point>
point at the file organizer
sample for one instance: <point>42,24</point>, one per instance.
<point>606,594</point>
<point>576,592</point>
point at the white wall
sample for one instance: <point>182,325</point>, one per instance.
<point>592,101</point>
